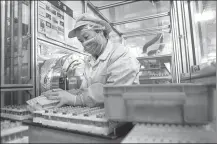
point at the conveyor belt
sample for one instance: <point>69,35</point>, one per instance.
<point>158,133</point>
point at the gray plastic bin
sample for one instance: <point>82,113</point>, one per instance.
<point>162,103</point>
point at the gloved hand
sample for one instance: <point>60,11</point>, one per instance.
<point>51,91</point>
<point>63,96</point>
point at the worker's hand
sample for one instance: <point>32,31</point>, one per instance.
<point>63,96</point>
<point>51,91</point>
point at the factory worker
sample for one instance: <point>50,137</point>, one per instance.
<point>109,64</point>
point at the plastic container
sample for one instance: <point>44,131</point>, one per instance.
<point>162,103</point>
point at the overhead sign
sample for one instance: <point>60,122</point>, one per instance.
<point>62,7</point>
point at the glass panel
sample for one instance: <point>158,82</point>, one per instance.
<point>91,12</point>
<point>204,16</point>
<point>143,24</point>
<point>17,61</point>
<point>163,46</point>
<point>136,9</point>
<point>15,97</point>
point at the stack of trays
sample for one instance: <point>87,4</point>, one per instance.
<point>13,132</point>
<point>82,119</point>
<point>15,112</point>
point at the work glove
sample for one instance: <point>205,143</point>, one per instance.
<point>51,91</point>
<point>64,97</point>
<point>91,96</point>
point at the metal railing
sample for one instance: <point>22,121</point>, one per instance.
<point>141,18</point>
<point>115,4</point>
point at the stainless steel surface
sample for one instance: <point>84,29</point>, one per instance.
<point>188,34</point>
<point>93,8</point>
<point>36,66</point>
<point>141,18</point>
<point>183,10</point>
<point>176,41</point>
<point>194,27</point>
<point>84,6</point>
<point>3,23</point>
<point>20,46</point>
<point>2,99</point>
<point>179,48</point>
<point>174,46</point>
<point>3,30</point>
<point>45,135</point>
<point>115,4</point>
<point>11,37</point>
<point>16,87</point>
<point>33,47</point>
<point>181,37</point>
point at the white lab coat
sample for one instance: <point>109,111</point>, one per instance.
<point>115,66</point>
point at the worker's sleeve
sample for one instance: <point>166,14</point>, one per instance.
<point>91,96</point>
<point>84,83</point>
<point>123,68</point>
<point>82,98</point>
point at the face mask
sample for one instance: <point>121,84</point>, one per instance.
<point>94,46</point>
